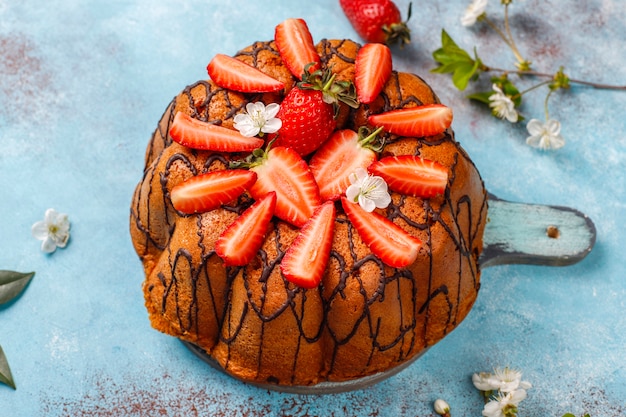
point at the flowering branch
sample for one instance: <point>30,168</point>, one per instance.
<point>505,98</point>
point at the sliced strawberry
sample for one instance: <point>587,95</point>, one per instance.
<point>372,69</point>
<point>420,121</point>
<point>284,171</point>
<point>233,74</point>
<point>412,175</point>
<point>295,45</point>
<point>197,134</point>
<point>206,192</point>
<point>388,241</point>
<point>337,158</point>
<point>306,259</point>
<point>241,241</point>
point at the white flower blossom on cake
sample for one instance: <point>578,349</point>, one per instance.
<point>473,12</point>
<point>53,230</point>
<point>368,190</point>
<point>258,119</point>
<point>545,135</point>
<point>502,106</point>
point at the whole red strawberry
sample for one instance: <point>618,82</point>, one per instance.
<point>306,121</point>
<point>308,111</point>
<point>377,20</point>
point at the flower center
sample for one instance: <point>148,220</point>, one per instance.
<point>258,118</point>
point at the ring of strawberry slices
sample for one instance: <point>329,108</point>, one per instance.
<point>299,172</point>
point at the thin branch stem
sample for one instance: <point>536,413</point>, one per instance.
<point>546,104</point>
<point>571,80</point>
<point>499,32</point>
<point>534,87</point>
<point>511,42</point>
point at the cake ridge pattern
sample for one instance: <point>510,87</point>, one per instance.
<point>349,326</point>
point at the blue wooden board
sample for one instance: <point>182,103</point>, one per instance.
<point>82,86</point>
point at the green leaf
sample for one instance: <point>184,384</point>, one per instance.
<point>483,97</point>
<point>453,59</point>
<point>12,284</point>
<point>5,371</point>
<point>463,74</point>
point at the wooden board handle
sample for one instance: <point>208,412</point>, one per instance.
<point>518,233</point>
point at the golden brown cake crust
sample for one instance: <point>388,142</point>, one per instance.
<point>365,317</point>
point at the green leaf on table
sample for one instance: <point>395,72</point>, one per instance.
<point>483,97</point>
<point>12,284</point>
<point>455,60</point>
<point>5,371</point>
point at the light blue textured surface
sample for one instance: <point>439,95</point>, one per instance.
<point>82,86</point>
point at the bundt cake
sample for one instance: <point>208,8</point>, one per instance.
<point>295,288</point>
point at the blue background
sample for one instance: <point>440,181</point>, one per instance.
<point>82,86</point>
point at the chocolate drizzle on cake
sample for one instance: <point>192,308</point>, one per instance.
<point>365,317</point>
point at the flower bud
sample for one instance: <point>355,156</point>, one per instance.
<point>441,407</point>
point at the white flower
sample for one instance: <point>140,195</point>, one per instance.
<point>483,381</point>
<point>504,405</point>
<point>508,380</point>
<point>368,190</point>
<point>53,230</point>
<point>473,12</point>
<point>258,118</point>
<point>441,407</point>
<point>545,135</point>
<point>502,105</point>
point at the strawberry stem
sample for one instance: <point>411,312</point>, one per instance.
<point>371,140</point>
<point>398,31</point>
<point>333,91</point>
<point>255,158</point>
<point>329,83</point>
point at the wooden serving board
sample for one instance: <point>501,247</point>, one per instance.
<point>519,233</point>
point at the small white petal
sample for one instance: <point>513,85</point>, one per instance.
<point>366,203</point>
<point>48,245</point>
<point>518,396</point>
<point>493,409</point>
<point>361,173</point>
<point>60,239</point>
<point>473,11</point>
<point>242,118</point>
<point>39,230</point>
<point>51,216</point>
<point>352,192</point>
<point>525,385</point>
<point>483,381</point>
<point>553,126</point>
<point>271,110</point>
<point>534,127</point>
<point>248,130</point>
<point>383,200</point>
<point>272,126</point>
